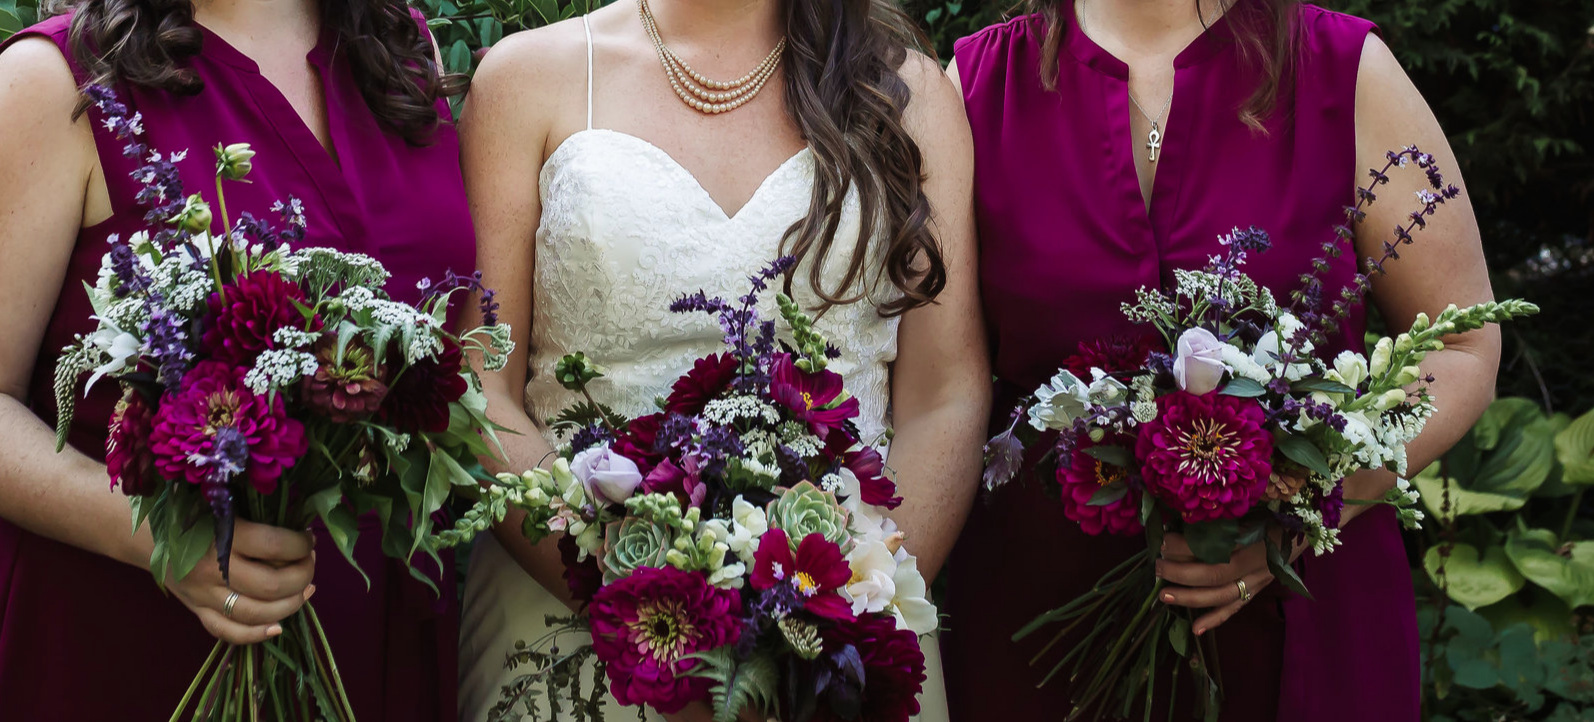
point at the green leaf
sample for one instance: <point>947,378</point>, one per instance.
<point>1243,388</point>
<point>1574,448</point>
<point>1315,384</point>
<point>752,683</point>
<point>1522,459</point>
<point>1179,636</point>
<point>1212,542</point>
<point>10,24</point>
<point>1119,456</point>
<point>1474,581</point>
<point>1283,571</point>
<point>191,545</point>
<point>341,523</point>
<point>1301,450</point>
<point>1503,414</point>
<point>1549,617</point>
<point>1566,572</point>
<point>1463,502</point>
<point>1108,494</point>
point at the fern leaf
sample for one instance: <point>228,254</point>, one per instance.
<point>738,685</point>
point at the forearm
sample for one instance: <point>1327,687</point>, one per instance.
<point>936,456</point>
<point>1463,387</point>
<point>63,496</point>
<point>524,448</point>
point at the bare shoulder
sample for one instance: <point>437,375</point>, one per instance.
<point>935,107</point>
<point>1378,64</point>
<point>37,83</point>
<point>1387,102</point>
<point>534,61</point>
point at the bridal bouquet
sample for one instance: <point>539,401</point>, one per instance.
<point>732,548</point>
<point>277,386</point>
<point>1225,425</point>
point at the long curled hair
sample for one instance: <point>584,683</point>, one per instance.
<point>147,43</point>
<point>844,92</point>
<point>1264,30</point>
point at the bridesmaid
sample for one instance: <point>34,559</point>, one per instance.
<point>1114,141</point>
<point>342,102</point>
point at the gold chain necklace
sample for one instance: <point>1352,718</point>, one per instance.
<point>707,96</point>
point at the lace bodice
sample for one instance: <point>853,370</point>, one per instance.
<point>626,230</point>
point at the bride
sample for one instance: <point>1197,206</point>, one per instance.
<point>613,165</point>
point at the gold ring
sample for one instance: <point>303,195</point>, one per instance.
<point>226,607</point>
<point>1245,594</point>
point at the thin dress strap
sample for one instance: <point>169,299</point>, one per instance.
<point>587,25</point>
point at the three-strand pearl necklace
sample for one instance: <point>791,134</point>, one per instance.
<point>703,94</point>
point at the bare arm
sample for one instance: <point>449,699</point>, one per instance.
<point>940,389</point>
<point>1444,266</point>
<point>503,132</point>
<point>49,176</point>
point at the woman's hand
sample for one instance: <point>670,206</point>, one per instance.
<point>270,571</point>
<point>700,712</point>
<point>1213,586</point>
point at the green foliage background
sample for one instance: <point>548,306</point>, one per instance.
<point>1505,569</point>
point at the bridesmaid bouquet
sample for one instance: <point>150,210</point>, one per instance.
<point>731,548</point>
<point>1224,425</point>
<point>278,386</point>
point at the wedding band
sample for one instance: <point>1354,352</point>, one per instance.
<point>1245,594</point>
<point>226,607</point>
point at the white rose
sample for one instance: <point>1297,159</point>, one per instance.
<point>607,477</point>
<point>1198,367</point>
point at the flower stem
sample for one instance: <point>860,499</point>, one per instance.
<point>332,664</point>
<point>192,687</point>
<point>1571,514</point>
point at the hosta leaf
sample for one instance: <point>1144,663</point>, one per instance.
<point>1520,462</point>
<point>1463,502</point>
<point>1472,580</point>
<point>1538,555</point>
<point>1574,447</point>
<point>1502,415</point>
<point>1549,617</point>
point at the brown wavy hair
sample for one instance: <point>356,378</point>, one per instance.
<point>147,43</point>
<point>844,90</point>
<point>1264,30</point>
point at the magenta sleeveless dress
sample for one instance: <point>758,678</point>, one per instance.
<point>1065,239</point>
<point>83,637</point>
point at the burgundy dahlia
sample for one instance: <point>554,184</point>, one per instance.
<point>583,577</point>
<point>644,624</point>
<point>128,457</point>
<point>418,399</point>
<point>1082,478</point>
<point>344,390</point>
<point>256,306</point>
<point>893,667</point>
<point>638,441</point>
<point>710,376</point>
<point>1115,355</point>
<point>1206,456</point>
<point>211,398</point>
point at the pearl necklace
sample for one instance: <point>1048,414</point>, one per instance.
<point>707,96</point>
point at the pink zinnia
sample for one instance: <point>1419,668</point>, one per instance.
<point>212,397</point>
<point>644,624</point>
<point>1087,475</point>
<point>1206,456</point>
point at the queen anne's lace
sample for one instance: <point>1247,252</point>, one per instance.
<point>626,230</point>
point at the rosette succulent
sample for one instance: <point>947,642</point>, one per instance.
<point>633,543</point>
<point>806,509</point>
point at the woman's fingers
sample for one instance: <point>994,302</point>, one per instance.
<point>250,611</point>
<point>1211,620</point>
<point>232,631</point>
<point>270,543</point>
<point>268,583</point>
<point>1217,594</point>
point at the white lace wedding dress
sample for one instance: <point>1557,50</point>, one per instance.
<point>626,230</point>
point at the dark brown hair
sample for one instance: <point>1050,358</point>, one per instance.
<point>845,93</point>
<point>147,43</point>
<point>1264,30</point>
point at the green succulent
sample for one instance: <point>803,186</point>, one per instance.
<point>806,509</point>
<point>632,543</point>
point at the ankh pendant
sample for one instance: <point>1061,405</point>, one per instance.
<point>1154,141</point>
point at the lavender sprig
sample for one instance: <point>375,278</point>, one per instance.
<point>487,301</point>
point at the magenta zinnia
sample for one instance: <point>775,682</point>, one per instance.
<point>1206,456</point>
<point>213,397</point>
<point>255,307</point>
<point>644,624</point>
<point>813,399</point>
<point>1081,479</point>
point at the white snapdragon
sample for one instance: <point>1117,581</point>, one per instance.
<point>748,524</point>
